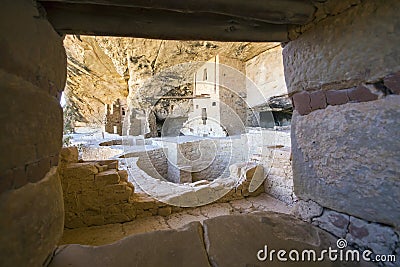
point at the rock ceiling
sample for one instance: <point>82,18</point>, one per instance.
<point>103,69</point>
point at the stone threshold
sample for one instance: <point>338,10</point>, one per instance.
<point>224,241</point>
<point>106,234</point>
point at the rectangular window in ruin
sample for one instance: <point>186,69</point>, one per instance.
<point>214,104</point>
<point>205,75</point>
<point>204,115</point>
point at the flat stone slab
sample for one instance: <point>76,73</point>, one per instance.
<point>182,247</point>
<point>235,240</point>
<point>224,241</point>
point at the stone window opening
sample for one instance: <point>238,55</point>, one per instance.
<point>204,115</point>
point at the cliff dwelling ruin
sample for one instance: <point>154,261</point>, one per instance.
<point>187,133</point>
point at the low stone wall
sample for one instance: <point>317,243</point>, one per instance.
<point>219,154</point>
<point>272,150</point>
<point>202,159</point>
<point>279,177</point>
<point>250,173</point>
<point>97,193</point>
<point>99,153</point>
<point>153,162</point>
<point>201,192</point>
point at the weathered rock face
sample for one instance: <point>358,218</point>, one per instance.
<point>265,77</point>
<point>230,240</point>
<point>183,247</point>
<point>31,226</point>
<point>335,59</point>
<point>92,79</point>
<point>348,151</point>
<point>32,76</point>
<point>344,155</point>
<point>103,69</point>
<point>173,108</point>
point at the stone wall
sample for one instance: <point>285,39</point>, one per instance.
<point>378,238</point>
<point>152,161</point>
<point>210,159</point>
<point>31,223</point>
<point>232,95</point>
<point>95,192</point>
<point>32,76</point>
<point>114,116</point>
<point>342,73</point>
<point>31,71</point>
<point>99,153</point>
<point>265,77</point>
<point>279,178</point>
<point>272,150</point>
<point>206,159</point>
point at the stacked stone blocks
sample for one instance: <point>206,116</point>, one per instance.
<point>97,193</point>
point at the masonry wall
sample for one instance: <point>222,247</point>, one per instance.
<point>216,157</point>
<point>99,153</point>
<point>232,95</point>
<point>206,159</point>
<point>265,76</point>
<point>96,193</point>
<point>279,175</point>
<point>32,76</point>
<point>343,75</point>
<point>271,149</point>
<point>153,162</point>
<point>113,118</point>
<point>205,118</point>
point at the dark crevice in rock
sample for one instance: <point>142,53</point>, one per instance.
<point>206,243</point>
<point>382,87</point>
<point>153,63</point>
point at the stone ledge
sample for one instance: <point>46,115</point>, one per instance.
<point>306,102</point>
<point>224,241</point>
<point>30,173</point>
<point>183,247</point>
<point>31,221</point>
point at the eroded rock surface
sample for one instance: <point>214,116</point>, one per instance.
<point>337,166</point>
<point>231,240</point>
<point>103,69</point>
<point>183,247</point>
<point>106,234</point>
